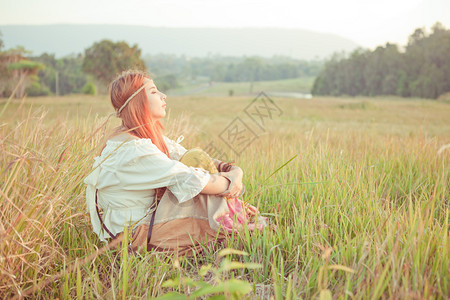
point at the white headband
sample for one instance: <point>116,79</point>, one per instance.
<point>131,97</point>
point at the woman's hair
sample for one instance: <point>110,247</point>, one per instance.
<point>136,115</point>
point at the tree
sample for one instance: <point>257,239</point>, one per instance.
<point>105,59</point>
<point>17,69</point>
<point>167,82</point>
<point>1,41</point>
<point>3,68</point>
<point>423,70</point>
<point>61,76</point>
<point>26,72</point>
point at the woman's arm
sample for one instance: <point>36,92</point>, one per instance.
<point>226,184</point>
<point>217,184</point>
<point>235,175</point>
<point>236,186</point>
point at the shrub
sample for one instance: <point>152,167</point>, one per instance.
<point>89,89</point>
<point>37,90</point>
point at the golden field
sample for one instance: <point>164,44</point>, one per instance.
<point>358,189</point>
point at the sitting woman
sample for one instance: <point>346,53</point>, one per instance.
<point>167,197</point>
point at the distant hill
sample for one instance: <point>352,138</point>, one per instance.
<point>73,39</point>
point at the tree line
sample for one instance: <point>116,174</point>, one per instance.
<point>232,69</point>
<point>421,69</point>
<point>99,64</point>
<point>21,73</point>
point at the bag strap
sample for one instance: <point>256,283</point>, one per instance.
<point>100,218</point>
<point>152,221</point>
<point>150,227</point>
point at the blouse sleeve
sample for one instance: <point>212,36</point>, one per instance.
<point>176,151</point>
<point>151,169</point>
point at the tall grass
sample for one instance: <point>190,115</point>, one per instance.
<point>362,210</point>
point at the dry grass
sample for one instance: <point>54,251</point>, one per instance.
<point>362,210</point>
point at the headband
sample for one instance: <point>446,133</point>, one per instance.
<point>131,97</point>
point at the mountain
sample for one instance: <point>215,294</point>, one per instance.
<point>66,39</point>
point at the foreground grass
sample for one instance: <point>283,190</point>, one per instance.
<point>362,210</point>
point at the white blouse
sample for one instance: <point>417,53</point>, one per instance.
<point>126,175</point>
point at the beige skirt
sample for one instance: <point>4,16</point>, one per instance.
<point>202,220</point>
<point>184,226</point>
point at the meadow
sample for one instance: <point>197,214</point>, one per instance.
<point>357,187</point>
<point>204,87</point>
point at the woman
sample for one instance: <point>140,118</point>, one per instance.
<point>140,184</point>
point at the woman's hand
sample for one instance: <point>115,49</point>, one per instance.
<point>236,187</point>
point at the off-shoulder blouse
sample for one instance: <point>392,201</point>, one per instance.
<point>126,175</point>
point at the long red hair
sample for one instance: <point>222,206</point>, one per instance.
<point>136,116</point>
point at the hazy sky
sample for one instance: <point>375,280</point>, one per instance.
<point>367,22</point>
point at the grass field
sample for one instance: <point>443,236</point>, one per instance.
<point>222,89</point>
<point>362,209</point>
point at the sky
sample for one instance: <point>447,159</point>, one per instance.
<point>369,23</point>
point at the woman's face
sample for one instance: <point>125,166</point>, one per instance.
<point>156,100</point>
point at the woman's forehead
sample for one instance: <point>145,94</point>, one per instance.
<point>149,83</point>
